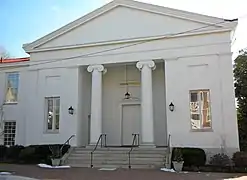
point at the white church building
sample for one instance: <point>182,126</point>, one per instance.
<point>126,68</point>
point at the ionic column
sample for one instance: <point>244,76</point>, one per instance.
<point>147,128</point>
<point>96,102</point>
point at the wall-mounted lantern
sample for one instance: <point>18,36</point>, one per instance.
<point>71,110</point>
<point>127,95</point>
<point>171,107</point>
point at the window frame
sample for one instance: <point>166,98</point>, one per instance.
<point>201,129</point>
<point>54,99</point>
<point>4,134</point>
<point>6,87</point>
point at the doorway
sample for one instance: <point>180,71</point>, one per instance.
<point>131,122</point>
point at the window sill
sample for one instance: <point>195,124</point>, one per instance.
<point>10,103</point>
<point>51,132</point>
<point>201,130</point>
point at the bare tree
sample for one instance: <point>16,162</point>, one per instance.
<point>3,53</point>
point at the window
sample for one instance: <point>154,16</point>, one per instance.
<point>200,111</point>
<point>9,133</point>
<point>12,87</point>
<point>52,114</point>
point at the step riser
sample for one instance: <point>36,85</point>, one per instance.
<point>115,158</point>
<point>118,152</point>
<point>117,166</point>
<point>118,157</point>
<point>117,162</point>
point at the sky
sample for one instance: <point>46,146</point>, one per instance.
<point>23,21</point>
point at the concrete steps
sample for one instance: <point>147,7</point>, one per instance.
<point>118,157</point>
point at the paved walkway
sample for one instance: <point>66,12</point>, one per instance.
<point>120,174</point>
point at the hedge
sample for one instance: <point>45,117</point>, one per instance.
<point>240,159</point>
<point>32,154</point>
<point>192,156</point>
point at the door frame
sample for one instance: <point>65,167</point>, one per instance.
<point>127,103</point>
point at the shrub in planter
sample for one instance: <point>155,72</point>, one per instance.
<point>193,156</point>
<point>3,150</point>
<point>220,160</point>
<point>240,159</point>
<point>56,155</point>
<point>13,152</point>
<point>177,160</point>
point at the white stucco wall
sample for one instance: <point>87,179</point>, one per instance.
<point>210,72</point>
<point>52,83</point>
<point>14,112</point>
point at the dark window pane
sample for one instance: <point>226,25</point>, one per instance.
<point>49,122</point>
<point>193,97</point>
<point>57,122</point>
<point>195,116</point>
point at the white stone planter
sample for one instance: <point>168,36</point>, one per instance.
<point>55,162</point>
<point>178,166</point>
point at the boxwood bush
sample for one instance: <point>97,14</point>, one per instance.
<point>12,153</point>
<point>192,156</point>
<point>240,159</point>
<point>32,154</point>
<point>3,150</point>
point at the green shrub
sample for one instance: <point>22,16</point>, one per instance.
<point>192,156</point>
<point>240,159</point>
<point>32,154</point>
<point>12,152</point>
<point>27,155</point>
<point>220,160</point>
<point>3,150</point>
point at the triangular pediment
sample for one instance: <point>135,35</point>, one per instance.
<point>126,20</point>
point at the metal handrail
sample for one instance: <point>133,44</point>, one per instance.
<point>168,159</point>
<point>66,142</point>
<point>132,146</point>
<point>169,143</point>
<point>99,139</point>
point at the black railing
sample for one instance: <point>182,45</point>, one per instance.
<point>168,154</point>
<point>135,143</point>
<point>100,139</point>
<point>66,142</point>
<point>169,143</point>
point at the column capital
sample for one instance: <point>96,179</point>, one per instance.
<point>149,63</point>
<point>97,67</point>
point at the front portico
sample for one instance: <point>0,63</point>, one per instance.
<point>135,113</point>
